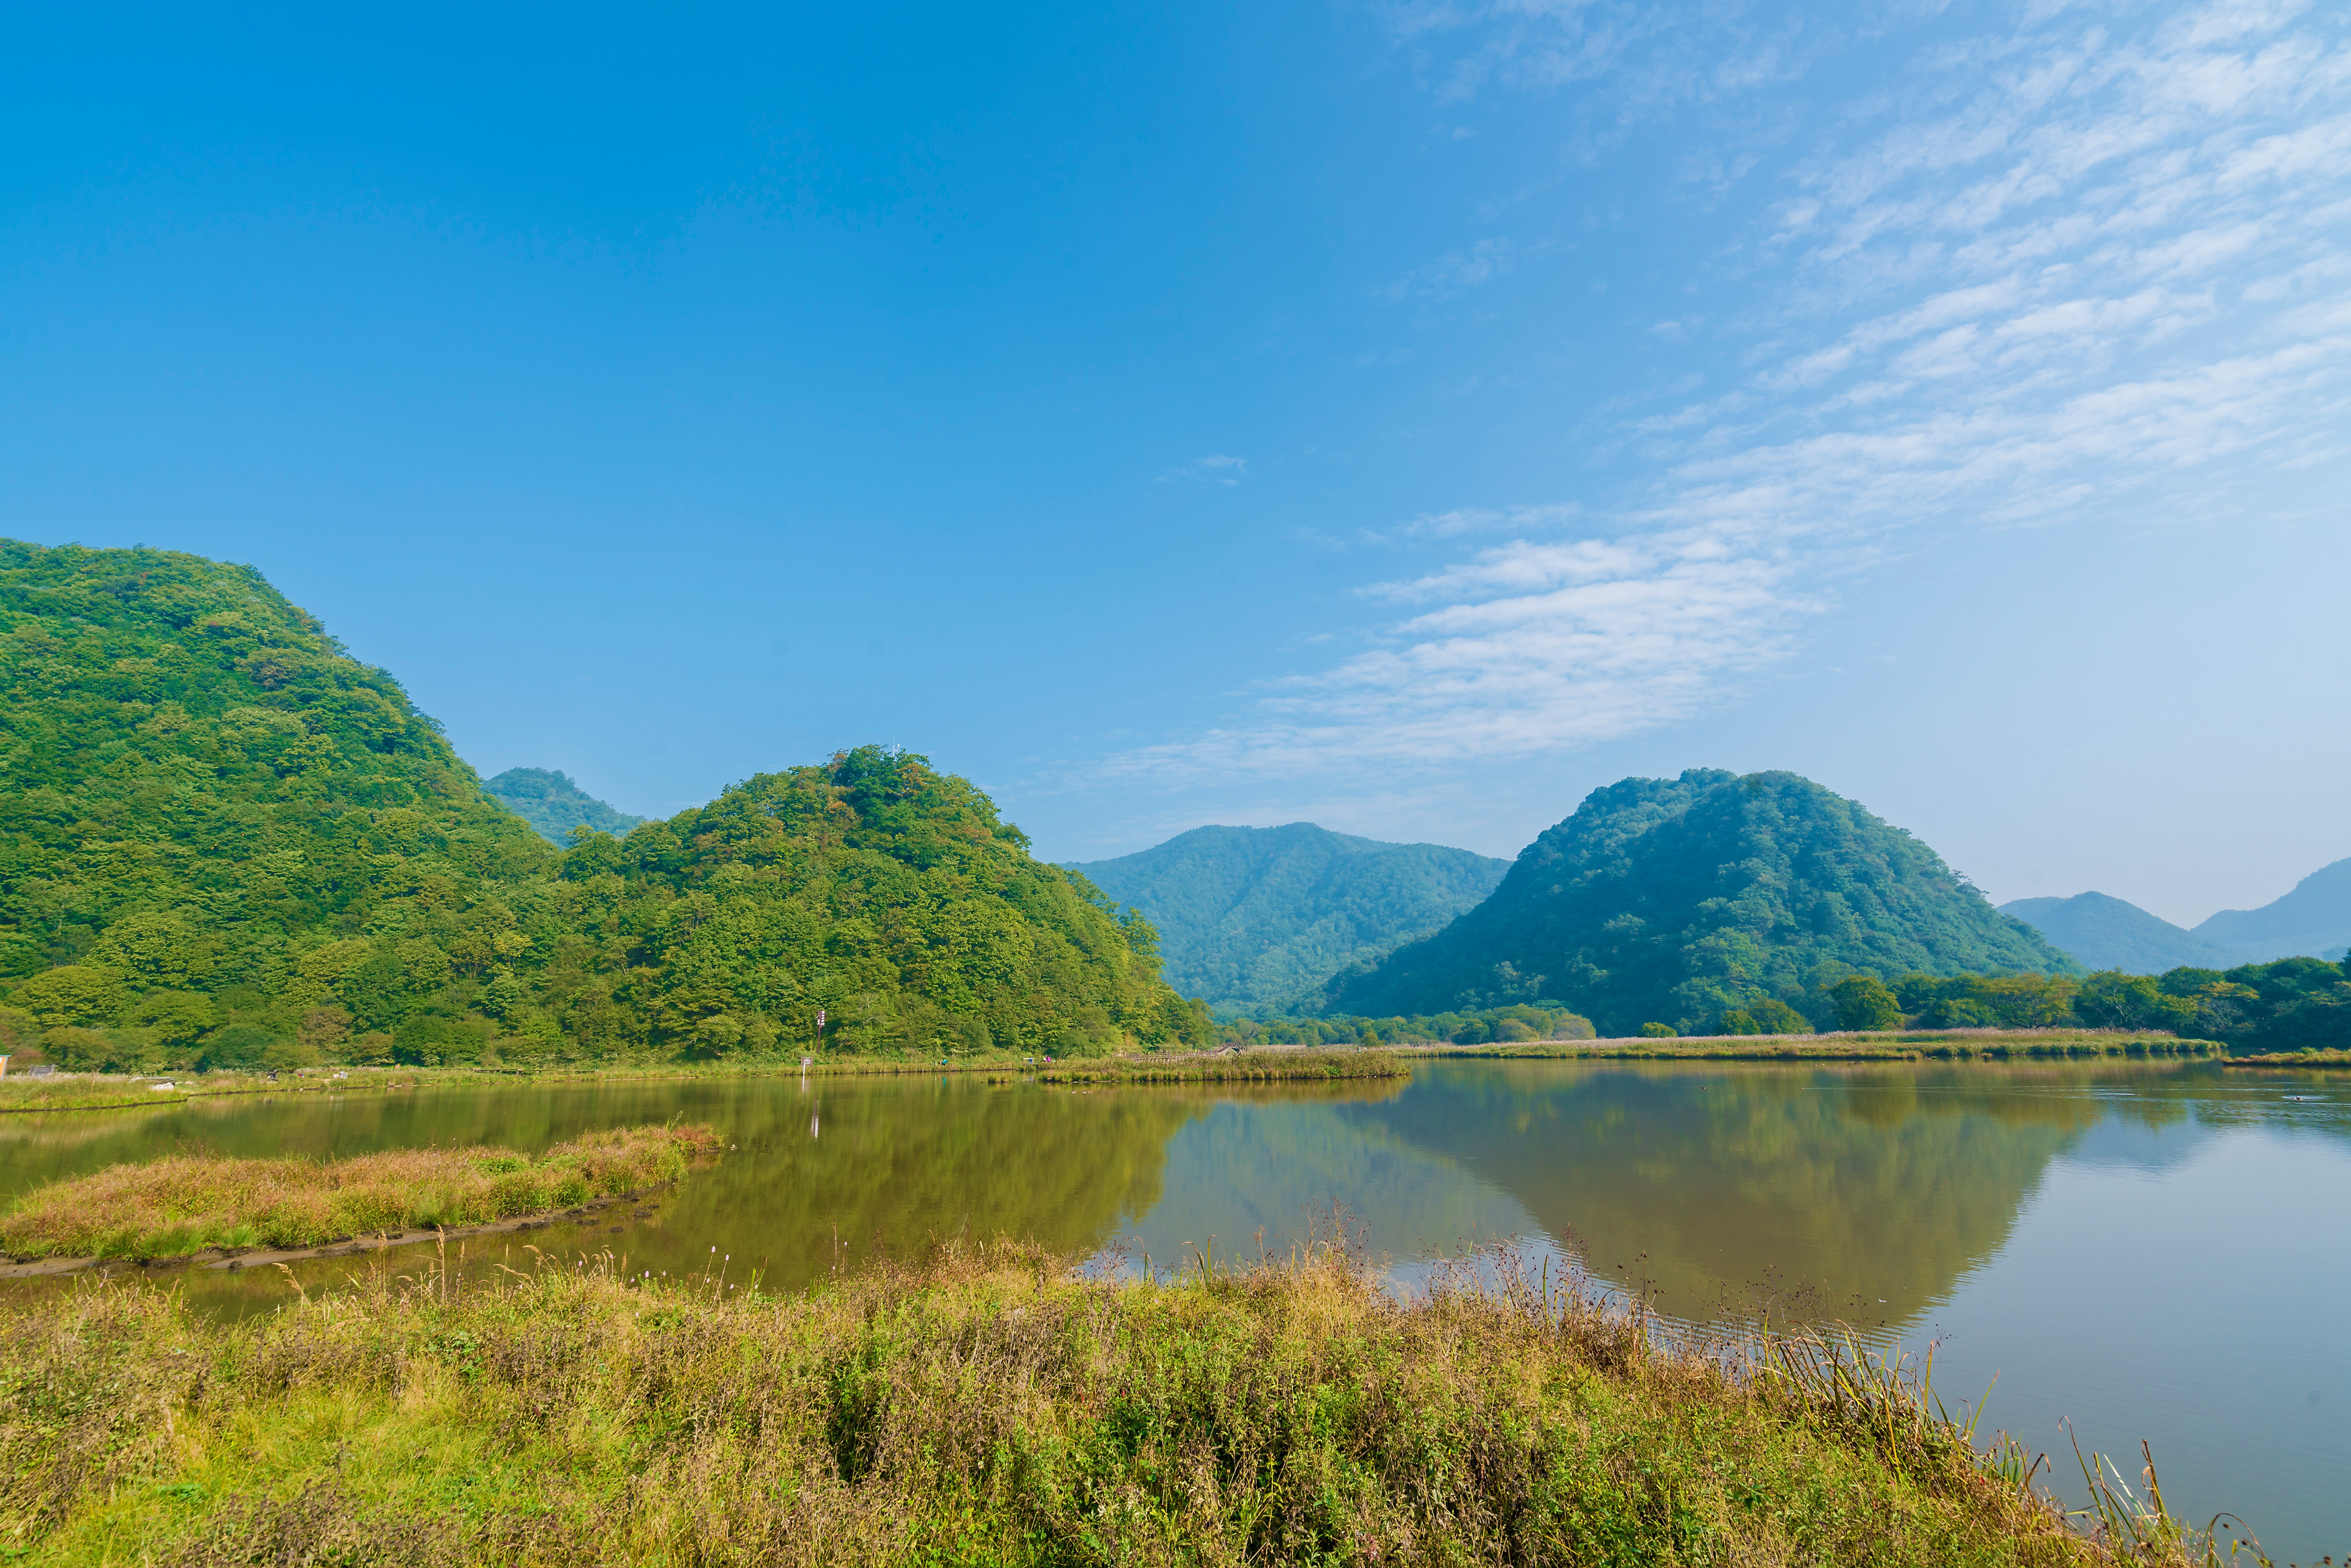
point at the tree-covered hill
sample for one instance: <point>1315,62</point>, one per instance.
<point>2103,932</point>
<point>553,804</point>
<point>223,840</point>
<point>1256,917</point>
<point>1675,900</point>
<point>875,889</point>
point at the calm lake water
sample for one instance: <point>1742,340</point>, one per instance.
<point>2151,1252</point>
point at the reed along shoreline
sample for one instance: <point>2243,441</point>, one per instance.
<point>184,1204</point>
<point>989,1406</point>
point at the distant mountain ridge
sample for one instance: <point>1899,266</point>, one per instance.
<point>2313,920</point>
<point>1673,901</point>
<point>1262,916</point>
<point>2106,932</point>
<point>552,804</point>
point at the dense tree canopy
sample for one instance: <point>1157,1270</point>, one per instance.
<point>224,840</point>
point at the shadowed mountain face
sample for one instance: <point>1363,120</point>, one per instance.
<point>552,804</point>
<point>2103,932</point>
<point>1257,916</point>
<point>1673,900</point>
<point>2312,922</point>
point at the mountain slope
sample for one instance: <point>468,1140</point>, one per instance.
<point>1258,916</point>
<point>553,804</point>
<point>1672,900</point>
<point>2313,920</point>
<point>200,781</point>
<point>2103,932</point>
<point>222,838</point>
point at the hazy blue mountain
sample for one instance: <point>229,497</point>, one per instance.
<point>552,804</point>
<point>2312,922</point>
<point>1260,916</point>
<point>2106,933</point>
<point>1669,900</point>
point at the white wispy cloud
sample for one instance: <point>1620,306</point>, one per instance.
<point>1217,467</point>
<point>1530,647</point>
<point>2087,261</point>
<point>1456,272</point>
<point>1475,520</point>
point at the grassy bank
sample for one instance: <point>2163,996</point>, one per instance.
<point>21,1095</point>
<point>2293,1059</point>
<point>989,1407</point>
<point>1240,1066</point>
<point>183,1204</point>
<point>1996,1045</point>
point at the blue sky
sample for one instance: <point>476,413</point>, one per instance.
<point>1402,417</point>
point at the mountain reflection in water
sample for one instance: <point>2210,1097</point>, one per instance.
<point>1856,1193</point>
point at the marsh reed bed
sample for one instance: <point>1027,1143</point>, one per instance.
<point>1940,1044</point>
<point>1232,1067</point>
<point>2312,1057</point>
<point>185,1203</point>
<point>990,1406</point>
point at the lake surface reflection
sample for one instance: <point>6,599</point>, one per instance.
<point>2152,1252</point>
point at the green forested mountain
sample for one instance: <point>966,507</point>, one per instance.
<point>222,839</point>
<point>553,804</point>
<point>2103,932</point>
<point>1257,917</point>
<point>1675,900</point>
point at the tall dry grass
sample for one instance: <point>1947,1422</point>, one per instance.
<point>184,1203</point>
<point>1239,1067</point>
<point>990,1407</point>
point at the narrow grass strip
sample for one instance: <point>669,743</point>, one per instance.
<point>1937,1044</point>
<point>1238,1067</point>
<point>183,1204</point>
<point>2310,1058</point>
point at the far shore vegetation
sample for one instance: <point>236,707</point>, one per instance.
<point>187,1203</point>
<point>2293,1005</point>
<point>1390,1048</point>
<point>1940,1044</point>
<point>993,1405</point>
